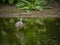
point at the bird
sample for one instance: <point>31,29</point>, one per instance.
<point>19,23</point>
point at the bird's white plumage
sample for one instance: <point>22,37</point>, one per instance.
<point>19,23</point>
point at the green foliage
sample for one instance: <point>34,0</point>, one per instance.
<point>32,5</point>
<point>11,1</point>
<point>29,4</point>
<point>3,0</point>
